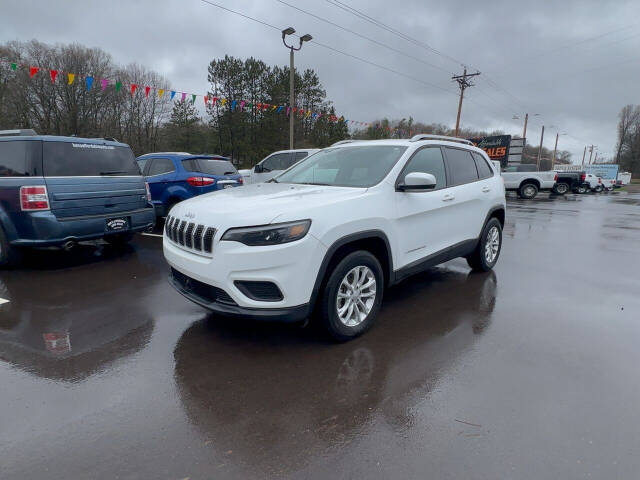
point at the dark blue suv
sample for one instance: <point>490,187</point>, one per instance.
<point>175,176</point>
<point>56,191</point>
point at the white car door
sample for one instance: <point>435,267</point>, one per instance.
<point>271,166</point>
<point>468,211</point>
<point>422,218</point>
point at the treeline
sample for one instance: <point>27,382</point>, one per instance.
<point>628,146</point>
<point>152,123</point>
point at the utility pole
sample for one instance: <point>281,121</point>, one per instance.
<point>555,150</point>
<point>540,149</point>
<point>591,152</point>
<point>526,120</point>
<point>584,154</point>
<point>463,83</point>
<point>595,159</point>
<point>303,38</point>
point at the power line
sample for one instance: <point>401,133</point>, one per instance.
<point>322,19</point>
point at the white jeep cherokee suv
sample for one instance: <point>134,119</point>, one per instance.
<point>331,232</point>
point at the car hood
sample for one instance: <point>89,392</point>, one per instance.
<point>260,204</point>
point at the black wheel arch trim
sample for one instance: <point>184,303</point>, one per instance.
<point>353,237</point>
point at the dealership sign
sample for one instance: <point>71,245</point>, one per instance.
<point>497,147</point>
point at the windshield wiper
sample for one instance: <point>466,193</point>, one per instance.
<point>115,172</point>
<point>272,180</point>
<point>322,184</point>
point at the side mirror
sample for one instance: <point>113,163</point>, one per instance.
<point>258,168</point>
<point>417,182</point>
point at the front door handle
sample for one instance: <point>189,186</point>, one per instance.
<point>486,189</point>
<point>448,197</point>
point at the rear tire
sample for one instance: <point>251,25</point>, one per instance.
<point>581,189</point>
<point>561,188</point>
<point>528,191</point>
<point>488,250</point>
<point>9,255</point>
<point>598,189</point>
<point>352,296</point>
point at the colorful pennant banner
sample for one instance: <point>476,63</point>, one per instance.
<point>208,100</point>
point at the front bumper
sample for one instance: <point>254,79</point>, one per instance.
<point>45,229</point>
<point>292,267</point>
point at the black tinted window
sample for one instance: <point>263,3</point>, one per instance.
<point>279,161</point>
<point>210,166</point>
<point>160,166</point>
<point>462,167</point>
<point>299,156</point>
<point>19,158</point>
<point>428,160</point>
<point>484,170</point>
<point>66,159</point>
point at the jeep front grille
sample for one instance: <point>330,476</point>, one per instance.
<point>190,236</point>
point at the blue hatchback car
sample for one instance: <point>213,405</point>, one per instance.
<point>56,191</point>
<point>176,176</point>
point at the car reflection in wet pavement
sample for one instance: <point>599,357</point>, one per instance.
<point>525,372</point>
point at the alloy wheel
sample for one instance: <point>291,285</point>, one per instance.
<point>492,245</point>
<point>356,296</point>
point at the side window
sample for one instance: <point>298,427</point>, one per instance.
<point>13,159</point>
<point>190,165</point>
<point>160,166</point>
<point>141,163</point>
<point>427,160</point>
<point>299,156</point>
<point>484,170</point>
<point>276,162</point>
<point>461,165</point>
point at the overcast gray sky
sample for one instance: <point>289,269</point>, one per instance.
<point>576,63</point>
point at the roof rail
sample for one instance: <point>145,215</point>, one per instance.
<point>109,139</point>
<point>426,136</point>
<point>24,132</point>
<point>342,142</point>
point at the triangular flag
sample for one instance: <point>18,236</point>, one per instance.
<point>280,109</point>
<point>206,100</point>
<point>33,71</point>
<point>160,93</point>
<point>173,94</point>
<point>215,99</point>
<point>118,86</point>
<point>133,89</point>
<point>233,105</point>
<point>223,101</point>
<point>273,107</point>
<point>71,77</point>
<point>193,99</point>
<point>14,66</point>
<point>54,74</point>
<point>89,83</point>
<point>242,105</point>
<point>104,83</point>
<point>288,108</point>
<point>146,92</point>
<point>184,95</point>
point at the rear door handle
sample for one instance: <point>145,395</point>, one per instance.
<point>486,189</point>
<point>448,197</point>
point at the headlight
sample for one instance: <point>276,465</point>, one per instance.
<point>268,234</point>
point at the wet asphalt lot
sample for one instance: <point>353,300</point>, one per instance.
<point>528,372</point>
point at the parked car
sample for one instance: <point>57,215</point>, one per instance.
<point>527,181</point>
<point>329,234</point>
<point>56,191</point>
<point>592,183</point>
<point>176,176</point>
<point>568,181</point>
<point>275,164</point>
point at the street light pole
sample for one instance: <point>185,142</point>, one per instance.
<point>540,148</point>
<point>303,38</point>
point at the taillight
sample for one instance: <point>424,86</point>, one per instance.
<point>34,198</point>
<point>241,181</point>
<point>200,181</point>
<point>555,179</point>
<point>599,180</point>
<point>146,185</point>
<point>583,177</point>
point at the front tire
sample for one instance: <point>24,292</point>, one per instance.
<point>598,189</point>
<point>352,296</point>
<point>582,189</point>
<point>528,191</point>
<point>561,188</point>
<point>488,250</point>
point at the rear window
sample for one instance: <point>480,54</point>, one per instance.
<point>20,158</point>
<point>68,159</point>
<point>209,166</point>
<point>484,170</point>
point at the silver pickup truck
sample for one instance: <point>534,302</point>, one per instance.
<point>525,180</point>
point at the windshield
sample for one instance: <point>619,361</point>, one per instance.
<point>357,166</point>
<point>65,159</point>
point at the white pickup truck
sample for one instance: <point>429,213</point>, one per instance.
<point>525,180</point>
